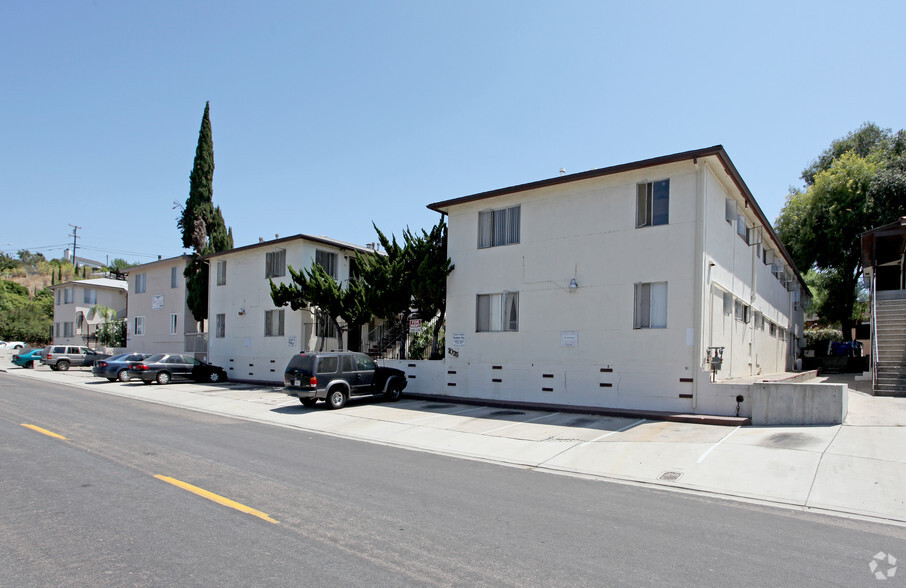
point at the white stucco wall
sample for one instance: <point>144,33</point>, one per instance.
<point>111,297</point>
<point>156,304</point>
<point>244,351</point>
<point>585,230</point>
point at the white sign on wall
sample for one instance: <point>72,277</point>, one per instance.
<point>569,338</point>
<point>157,302</point>
<point>458,339</point>
<point>292,341</point>
<point>415,325</point>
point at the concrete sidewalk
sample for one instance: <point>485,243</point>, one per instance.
<point>855,469</point>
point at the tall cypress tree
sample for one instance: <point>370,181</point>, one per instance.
<point>202,225</point>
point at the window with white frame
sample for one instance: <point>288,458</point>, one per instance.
<point>138,325</point>
<point>728,303</point>
<point>650,308</point>
<point>139,283</point>
<point>652,204</point>
<point>742,228</point>
<point>772,329</point>
<point>174,320</point>
<point>275,263</point>
<point>499,227</point>
<point>731,211</point>
<point>273,323</point>
<point>328,261</point>
<point>741,311</point>
<point>324,326</point>
<point>759,321</point>
<point>90,296</point>
<point>59,296</point>
<point>67,295</point>
<point>174,277</point>
<point>56,329</point>
<point>497,312</point>
<point>220,326</point>
<point>67,329</point>
<point>221,272</point>
<point>767,256</point>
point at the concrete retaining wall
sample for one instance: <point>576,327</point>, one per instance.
<point>766,403</point>
<point>798,404</point>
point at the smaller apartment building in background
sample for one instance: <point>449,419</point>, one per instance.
<point>159,319</point>
<point>251,337</point>
<point>75,318</point>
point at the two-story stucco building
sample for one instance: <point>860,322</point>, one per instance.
<point>612,287</point>
<point>75,321</point>
<point>159,318</point>
<point>249,335</point>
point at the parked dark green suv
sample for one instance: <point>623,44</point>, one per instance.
<point>336,376</point>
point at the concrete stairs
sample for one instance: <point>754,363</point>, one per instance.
<point>890,363</point>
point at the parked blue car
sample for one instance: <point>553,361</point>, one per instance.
<point>27,358</point>
<point>117,367</point>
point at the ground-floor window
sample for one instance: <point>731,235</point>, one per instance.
<point>497,312</point>
<point>650,305</point>
<point>220,326</point>
<point>139,326</point>
<point>273,323</point>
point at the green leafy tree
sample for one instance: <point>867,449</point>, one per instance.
<point>30,259</point>
<point>856,184</point>
<point>24,319</point>
<point>111,332</point>
<point>7,262</point>
<point>201,223</point>
<point>315,288</point>
<point>430,268</point>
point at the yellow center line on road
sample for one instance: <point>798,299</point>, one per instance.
<point>216,498</point>
<point>44,431</point>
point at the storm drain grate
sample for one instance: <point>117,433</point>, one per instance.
<point>435,406</point>
<point>506,413</point>
<point>670,476</point>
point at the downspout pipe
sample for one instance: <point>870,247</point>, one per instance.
<point>698,309</point>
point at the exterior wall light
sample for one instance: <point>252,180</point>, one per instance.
<point>573,286</point>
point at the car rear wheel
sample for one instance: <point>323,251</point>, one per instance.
<point>62,365</point>
<point>215,377</point>
<point>163,378</point>
<point>30,365</point>
<point>123,376</point>
<point>308,402</point>
<point>336,398</point>
<point>394,391</point>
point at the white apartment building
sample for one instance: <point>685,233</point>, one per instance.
<point>159,319</point>
<point>75,320</point>
<point>612,287</point>
<point>249,335</point>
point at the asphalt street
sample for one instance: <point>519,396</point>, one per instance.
<point>88,510</point>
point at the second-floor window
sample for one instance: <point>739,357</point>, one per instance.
<point>67,295</point>
<point>174,276</point>
<point>328,261</point>
<point>90,296</point>
<point>139,283</point>
<point>653,204</point>
<point>499,227</point>
<point>275,263</point>
<point>221,273</point>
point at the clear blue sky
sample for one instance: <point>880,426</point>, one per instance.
<point>330,115</point>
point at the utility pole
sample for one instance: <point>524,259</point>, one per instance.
<point>75,236</point>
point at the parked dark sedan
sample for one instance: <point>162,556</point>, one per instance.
<point>117,367</point>
<point>164,368</point>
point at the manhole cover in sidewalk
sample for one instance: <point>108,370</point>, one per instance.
<point>670,476</point>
